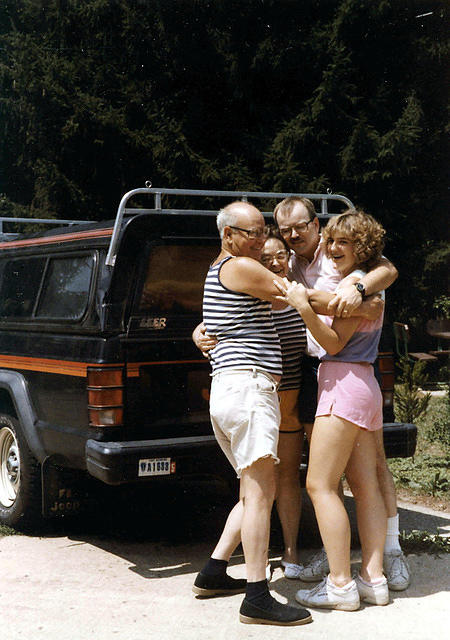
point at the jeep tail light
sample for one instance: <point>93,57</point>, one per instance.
<point>387,377</point>
<point>105,396</point>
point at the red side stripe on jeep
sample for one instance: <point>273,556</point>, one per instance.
<point>64,237</point>
<point>64,367</point>
<point>133,367</point>
<point>79,369</point>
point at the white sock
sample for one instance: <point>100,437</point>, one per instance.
<point>373,582</point>
<point>392,534</point>
<point>347,587</point>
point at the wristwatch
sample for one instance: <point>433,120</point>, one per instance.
<point>361,288</point>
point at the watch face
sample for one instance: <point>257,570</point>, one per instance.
<point>360,288</point>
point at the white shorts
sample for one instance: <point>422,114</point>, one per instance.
<point>245,415</point>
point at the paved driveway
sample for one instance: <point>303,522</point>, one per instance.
<point>82,585</point>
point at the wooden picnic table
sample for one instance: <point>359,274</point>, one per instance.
<point>439,329</point>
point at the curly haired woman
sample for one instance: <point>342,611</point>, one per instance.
<point>349,411</point>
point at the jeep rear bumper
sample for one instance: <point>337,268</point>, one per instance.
<point>118,462</point>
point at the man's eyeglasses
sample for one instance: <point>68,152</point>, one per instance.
<point>301,227</point>
<point>279,255</point>
<point>253,233</point>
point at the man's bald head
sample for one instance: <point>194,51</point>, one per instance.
<point>238,214</point>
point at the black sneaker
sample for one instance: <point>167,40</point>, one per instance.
<point>277,613</point>
<point>222,585</point>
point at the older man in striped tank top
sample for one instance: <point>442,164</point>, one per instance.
<point>246,369</point>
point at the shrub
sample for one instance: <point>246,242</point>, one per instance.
<point>439,430</point>
<point>409,403</point>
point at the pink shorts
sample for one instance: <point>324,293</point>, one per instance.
<point>350,390</point>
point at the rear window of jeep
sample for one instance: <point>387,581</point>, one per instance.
<point>175,277</point>
<point>53,288</point>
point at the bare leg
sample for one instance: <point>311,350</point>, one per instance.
<point>289,496</point>
<point>213,579</point>
<point>231,534</point>
<point>258,491</point>
<point>361,474</point>
<point>308,427</point>
<point>397,571</point>
<point>385,479</point>
<point>331,446</point>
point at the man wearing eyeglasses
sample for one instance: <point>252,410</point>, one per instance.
<point>309,264</point>
<point>244,409</point>
<point>298,224</point>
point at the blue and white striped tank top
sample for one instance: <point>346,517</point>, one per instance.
<point>292,333</point>
<point>243,326</point>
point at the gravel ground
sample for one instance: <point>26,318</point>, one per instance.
<point>81,585</point>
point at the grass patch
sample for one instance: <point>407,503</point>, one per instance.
<point>424,542</point>
<point>428,471</point>
<point>7,531</point>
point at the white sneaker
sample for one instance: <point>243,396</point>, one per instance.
<point>396,570</point>
<point>327,596</point>
<point>269,571</point>
<point>373,593</point>
<point>316,569</point>
<point>292,571</point>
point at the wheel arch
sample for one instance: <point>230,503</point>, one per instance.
<point>15,401</point>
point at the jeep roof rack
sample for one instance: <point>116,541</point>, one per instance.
<point>123,210</point>
<point>323,199</point>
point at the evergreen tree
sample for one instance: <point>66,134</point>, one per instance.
<point>96,96</point>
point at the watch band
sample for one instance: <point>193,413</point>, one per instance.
<point>361,288</point>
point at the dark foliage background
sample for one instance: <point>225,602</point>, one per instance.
<point>97,96</point>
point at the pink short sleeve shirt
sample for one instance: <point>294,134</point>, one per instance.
<point>320,274</point>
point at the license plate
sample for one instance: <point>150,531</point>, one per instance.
<point>156,467</point>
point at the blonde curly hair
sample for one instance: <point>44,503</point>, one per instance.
<point>363,231</point>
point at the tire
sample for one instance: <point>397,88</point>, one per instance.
<point>20,478</point>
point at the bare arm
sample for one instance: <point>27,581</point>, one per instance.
<point>249,276</point>
<point>347,298</point>
<point>370,308</point>
<point>380,277</point>
<point>333,339</point>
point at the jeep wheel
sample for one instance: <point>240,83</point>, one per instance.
<point>20,482</point>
